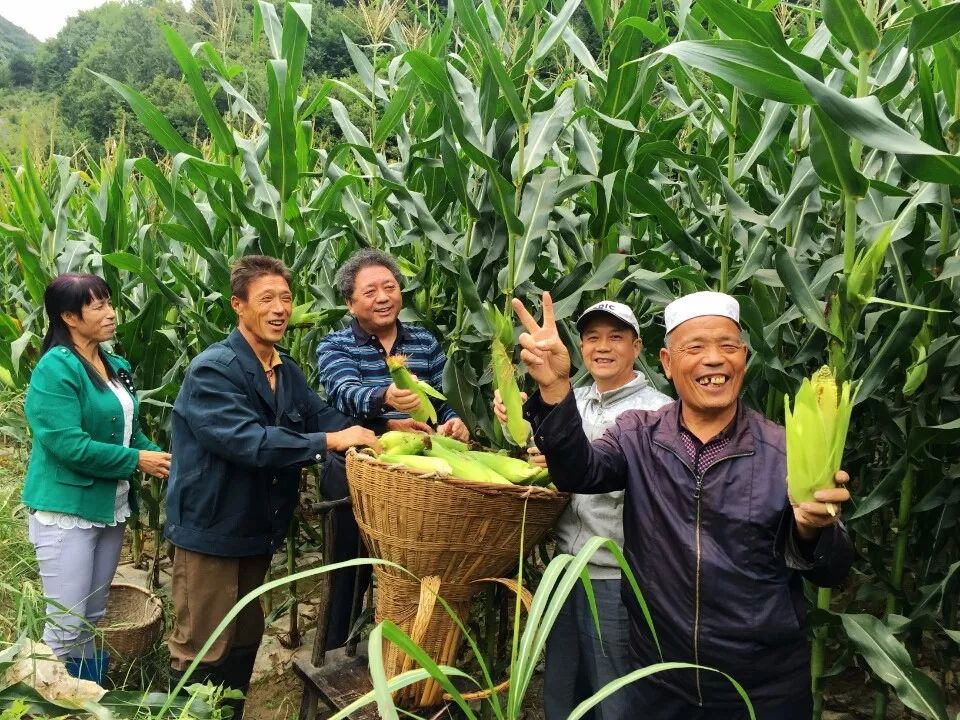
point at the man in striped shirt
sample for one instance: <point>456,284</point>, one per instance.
<point>352,367</point>
<point>352,362</point>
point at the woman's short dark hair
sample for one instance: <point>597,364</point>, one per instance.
<point>70,293</point>
<point>249,268</point>
<point>346,276</point>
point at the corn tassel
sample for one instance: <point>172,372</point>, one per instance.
<point>516,471</point>
<point>816,432</point>
<point>402,378</point>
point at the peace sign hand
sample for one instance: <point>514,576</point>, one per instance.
<point>544,353</point>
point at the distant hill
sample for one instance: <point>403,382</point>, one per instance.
<point>14,39</point>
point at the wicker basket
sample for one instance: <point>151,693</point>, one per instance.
<point>133,622</point>
<point>452,534</point>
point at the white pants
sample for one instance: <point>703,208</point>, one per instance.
<point>76,568</point>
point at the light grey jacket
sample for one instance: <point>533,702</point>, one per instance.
<point>589,515</point>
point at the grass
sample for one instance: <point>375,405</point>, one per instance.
<point>20,591</point>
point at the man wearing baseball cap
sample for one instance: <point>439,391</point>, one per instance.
<point>709,532</point>
<point>578,660</point>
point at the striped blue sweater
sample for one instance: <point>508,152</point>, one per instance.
<point>353,369</point>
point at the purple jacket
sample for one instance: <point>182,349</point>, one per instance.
<point>715,556</point>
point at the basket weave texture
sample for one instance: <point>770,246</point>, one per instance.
<point>444,529</point>
<point>133,622</point>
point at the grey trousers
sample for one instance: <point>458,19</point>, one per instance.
<point>76,569</point>
<point>579,662</point>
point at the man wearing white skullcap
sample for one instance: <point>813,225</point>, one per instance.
<point>717,548</point>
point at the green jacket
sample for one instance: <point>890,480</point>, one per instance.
<point>78,456</point>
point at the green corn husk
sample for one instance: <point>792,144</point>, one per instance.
<point>816,433</point>
<point>449,443</point>
<point>505,379</point>
<point>542,478</point>
<point>519,472</point>
<point>402,378</point>
<point>466,468</point>
<point>862,280</point>
<point>418,462</point>
<point>398,442</point>
<point>398,437</point>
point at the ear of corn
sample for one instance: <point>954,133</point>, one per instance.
<point>516,471</point>
<point>398,442</point>
<point>917,372</point>
<point>466,468</point>
<point>542,478</point>
<point>402,378</point>
<point>816,432</point>
<point>418,462</point>
<point>863,278</point>
<point>449,443</point>
<point>505,380</point>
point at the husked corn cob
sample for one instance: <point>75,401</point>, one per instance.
<point>816,432</point>
<point>516,471</point>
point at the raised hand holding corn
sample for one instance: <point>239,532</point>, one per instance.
<point>424,410</point>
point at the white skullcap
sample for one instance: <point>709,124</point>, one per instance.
<point>607,307</point>
<point>700,304</point>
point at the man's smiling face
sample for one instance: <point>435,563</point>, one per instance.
<point>264,313</point>
<point>706,359</point>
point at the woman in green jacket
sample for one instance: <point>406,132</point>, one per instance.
<point>82,410</point>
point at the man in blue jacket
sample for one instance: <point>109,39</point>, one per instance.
<point>709,532</point>
<point>244,423</point>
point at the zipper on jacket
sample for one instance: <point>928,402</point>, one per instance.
<point>697,494</point>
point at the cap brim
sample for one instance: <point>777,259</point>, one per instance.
<point>587,316</point>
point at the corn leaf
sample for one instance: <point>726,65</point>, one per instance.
<point>891,662</point>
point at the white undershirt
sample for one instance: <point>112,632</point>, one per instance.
<point>122,504</point>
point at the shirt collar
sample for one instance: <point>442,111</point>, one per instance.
<point>638,383</point>
<point>363,337</point>
<point>725,434</point>
<point>273,362</point>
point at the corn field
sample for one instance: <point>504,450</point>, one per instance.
<point>800,156</point>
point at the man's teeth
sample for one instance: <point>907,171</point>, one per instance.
<point>713,380</point>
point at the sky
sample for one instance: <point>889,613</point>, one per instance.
<point>44,18</point>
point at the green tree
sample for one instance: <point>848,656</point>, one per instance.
<point>20,70</point>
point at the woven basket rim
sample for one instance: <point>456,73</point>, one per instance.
<point>531,491</point>
<point>151,601</point>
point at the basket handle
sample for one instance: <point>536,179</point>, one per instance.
<point>429,589</point>
<point>527,599</point>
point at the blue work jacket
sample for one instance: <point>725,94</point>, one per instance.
<point>238,448</point>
